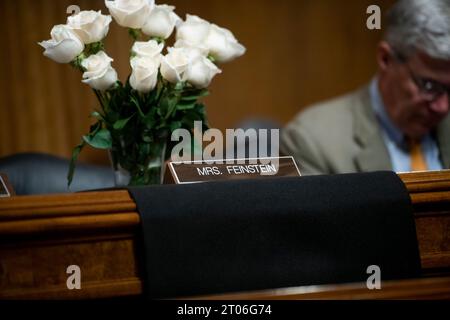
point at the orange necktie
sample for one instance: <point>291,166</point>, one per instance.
<point>418,162</point>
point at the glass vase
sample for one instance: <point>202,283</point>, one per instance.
<point>139,164</point>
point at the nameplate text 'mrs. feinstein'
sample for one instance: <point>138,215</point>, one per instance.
<point>232,169</point>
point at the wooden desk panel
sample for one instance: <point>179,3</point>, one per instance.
<point>430,195</point>
<point>40,236</point>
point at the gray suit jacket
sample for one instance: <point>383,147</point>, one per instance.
<point>343,136</point>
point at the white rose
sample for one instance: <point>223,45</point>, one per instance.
<point>99,74</point>
<point>144,76</point>
<point>130,13</point>
<point>200,72</point>
<point>222,44</point>
<point>174,64</point>
<point>192,50</point>
<point>148,49</point>
<point>64,46</point>
<point>161,22</point>
<point>188,64</point>
<point>193,31</point>
<point>90,26</point>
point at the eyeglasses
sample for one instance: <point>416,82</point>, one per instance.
<point>430,89</point>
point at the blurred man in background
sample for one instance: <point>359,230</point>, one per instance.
<point>400,120</point>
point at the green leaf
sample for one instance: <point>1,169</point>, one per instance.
<point>75,153</point>
<point>213,60</point>
<point>186,105</point>
<point>147,138</point>
<point>135,102</point>
<point>144,150</point>
<point>161,125</point>
<point>94,48</point>
<point>179,86</point>
<point>150,121</point>
<point>200,109</point>
<point>195,114</point>
<point>137,180</point>
<point>168,106</point>
<point>194,95</point>
<point>175,125</point>
<point>111,117</point>
<point>158,39</point>
<point>100,140</point>
<point>120,124</point>
<point>76,63</point>
<point>173,101</point>
<point>97,115</point>
<point>150,98</point>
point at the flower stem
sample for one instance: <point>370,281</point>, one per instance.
<point>101,99</point>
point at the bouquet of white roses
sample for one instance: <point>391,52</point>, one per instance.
<point>162,92</point>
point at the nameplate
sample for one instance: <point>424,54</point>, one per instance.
<point>232,169</point>
<point>6,190</point>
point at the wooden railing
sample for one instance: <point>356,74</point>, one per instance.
<point>427,288</point>
<point>40,236</point>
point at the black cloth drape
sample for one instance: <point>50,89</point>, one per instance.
<point>249,235</point>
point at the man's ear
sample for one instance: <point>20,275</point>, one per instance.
<point>384,55</point>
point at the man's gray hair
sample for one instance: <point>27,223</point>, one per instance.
<point>422,25</point>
